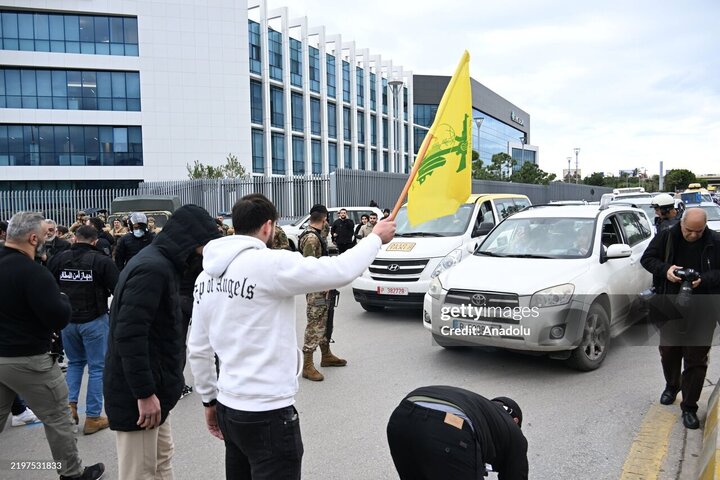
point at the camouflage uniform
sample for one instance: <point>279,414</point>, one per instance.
<point>317,310</point>
<point>280,240</point>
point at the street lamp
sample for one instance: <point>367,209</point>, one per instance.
<point>569,159</point>
<point>522,152</point>
<point>478,122</point>
<point>395,86</point>
<point>577,151</point>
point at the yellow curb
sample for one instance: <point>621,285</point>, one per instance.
<point>650,445</point>
<point>710,457</point>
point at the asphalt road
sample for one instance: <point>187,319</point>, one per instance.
<point>578,425</point>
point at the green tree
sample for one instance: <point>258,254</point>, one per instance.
<point>232,169</point>
<point>597,178</point>
<point>679,179</point>
<point>531,173</point>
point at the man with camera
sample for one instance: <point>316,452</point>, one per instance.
<point>685,263</point>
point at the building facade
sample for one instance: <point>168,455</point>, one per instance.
<point>107,93</point>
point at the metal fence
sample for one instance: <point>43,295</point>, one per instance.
<point>293,196</point>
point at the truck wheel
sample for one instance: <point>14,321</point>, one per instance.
<point>596,339</point>
<point>372,308</point>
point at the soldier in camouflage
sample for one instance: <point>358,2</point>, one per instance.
<point>312,243</point>
<point>280,240</point>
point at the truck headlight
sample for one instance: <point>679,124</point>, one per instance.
<point>435,289</point>
<point>450,260</point>
<point>553,296</point>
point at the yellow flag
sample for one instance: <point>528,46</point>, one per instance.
<point>443,180</point>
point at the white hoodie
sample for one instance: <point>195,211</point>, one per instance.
<point>245,312</point>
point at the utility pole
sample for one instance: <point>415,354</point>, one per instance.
<point>577,175</point>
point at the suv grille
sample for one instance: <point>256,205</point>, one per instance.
<point>492,300</point>
<point>397,270</point>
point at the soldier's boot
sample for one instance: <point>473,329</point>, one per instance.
<point>95,424</point>
<point>330,360</point>
<point>73,412</point>
<point>309,370</point>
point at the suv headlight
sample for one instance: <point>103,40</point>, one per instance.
<point>450,260</point>
<point>553,296</point>
<point>435,289</point>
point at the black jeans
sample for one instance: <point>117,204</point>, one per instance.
<point>261,445</point>
<point>424,447</point>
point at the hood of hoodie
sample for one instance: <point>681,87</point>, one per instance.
<point>189,227</point>
<point>219,253</point>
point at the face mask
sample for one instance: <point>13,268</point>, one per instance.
<point>138,233</point>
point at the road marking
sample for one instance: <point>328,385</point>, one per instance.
<point>650,445</point>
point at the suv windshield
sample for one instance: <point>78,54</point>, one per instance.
<point>541,238</point>
<point>447,226</point>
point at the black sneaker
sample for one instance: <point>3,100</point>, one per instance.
<point>187,390</point>
<point>93,472</point>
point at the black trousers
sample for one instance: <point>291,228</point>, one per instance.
<point>343,247</point>
<point>691,381</point>
<point>424,447</point>
<point>261,445</point>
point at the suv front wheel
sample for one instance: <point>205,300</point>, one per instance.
<point>596,339</point>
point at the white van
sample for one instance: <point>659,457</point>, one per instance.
<point>401,273</point>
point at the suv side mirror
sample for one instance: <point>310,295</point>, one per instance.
<point>618,250</point>
<point>483,229</point>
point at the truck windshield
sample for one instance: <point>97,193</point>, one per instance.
<point>447,226</point>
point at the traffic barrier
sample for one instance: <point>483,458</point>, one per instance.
<point>709,466</point>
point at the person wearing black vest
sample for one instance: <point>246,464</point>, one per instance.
<point>105,242</point>
<point>685,330</point>
<point>132,242</point>
<point>88,277</point>
<point>343,231</point>
<point>440,432</point>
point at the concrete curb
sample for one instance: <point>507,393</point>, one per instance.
<point>709,466</point>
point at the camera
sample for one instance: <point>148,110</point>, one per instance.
<point>688,276</point>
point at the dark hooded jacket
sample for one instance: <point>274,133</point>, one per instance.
<point>146,345</point>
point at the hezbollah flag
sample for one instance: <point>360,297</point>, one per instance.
<point>442,182</point>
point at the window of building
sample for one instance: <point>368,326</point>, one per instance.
<point>258,151</point>
<point>315,117</point>
<point>385,95</point>
<point>406,137</point>
<point>360,86</point>
<point>64,33</point>
<point>297,107</point>
<point>419,137</point>
<point>275,57</point>
<point>332,157</point>
<point>298,151</point>
<point>347,126</point>
<point>331,76</point>
<point>278,153</point>
<point>424,114</point>
<point>316,149</point>
<point>69,89</point>
<point>386,165</point>
<point>373,130</point>
<point>346,81</point>
<point>277,107</point>
<point>373,157</point>
<point>332,120</point>
<point>255,48</point>
<point>360,127</point>
<point>347,152</point>
<point>385,132</point>
<point>295,62</point>
<point>256,102</point>
<point>373,92</point>
<point>314,69</point>
<point>405,103</point>
<point>70,145</point>
<point>361,158</point>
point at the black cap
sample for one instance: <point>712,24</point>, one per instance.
<point>511,407</point>
<point>318,207</point>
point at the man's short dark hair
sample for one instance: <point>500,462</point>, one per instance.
<point>342,210</point>
<point>86,233</point>
<point>62,229</point>
<point>97,223</point>
<point>3,226</point>
<point>251,212</point>
<point>372,215</point>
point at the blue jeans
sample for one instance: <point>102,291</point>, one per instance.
<point>85,344</point>
<point>261,445</point>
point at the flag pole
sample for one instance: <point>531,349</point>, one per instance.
<point>413,173</point>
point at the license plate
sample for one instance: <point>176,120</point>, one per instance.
<point>392,291</point>
<point>478,329</point>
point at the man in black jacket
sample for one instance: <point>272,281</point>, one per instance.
<point>342,231</point>
<point>685,332</point>
<point>105,242</point>
<point>88,277</point>
<point>441,432</point>
<point>135,240</point>
<point>32,308</point>
<point>146,347</point>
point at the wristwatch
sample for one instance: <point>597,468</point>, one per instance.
<point>211,403</point>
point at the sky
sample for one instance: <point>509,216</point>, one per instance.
<point>631,82</point>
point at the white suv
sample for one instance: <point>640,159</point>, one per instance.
<point>561,279</point>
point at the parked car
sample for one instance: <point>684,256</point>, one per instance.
<point>160,207</point>
<point>294,229</point>
<point>713,214</point>
<point>565,278</point>
<point>404,268</point>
